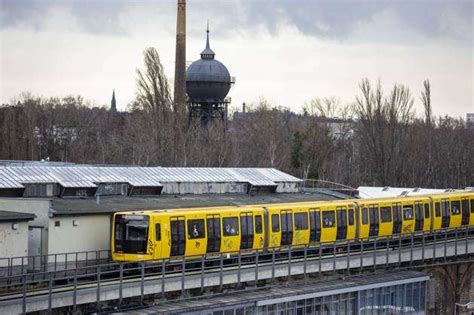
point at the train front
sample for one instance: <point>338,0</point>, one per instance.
<point>131,233</point>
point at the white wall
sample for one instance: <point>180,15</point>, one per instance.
<point>13,243</point>
<point>38,206</point>
<point>91,234</point>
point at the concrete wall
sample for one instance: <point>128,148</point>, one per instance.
<point>39,207</point>
<point>91,233</point>
<point>13,243</point>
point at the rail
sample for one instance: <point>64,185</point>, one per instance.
<point>353,256</point>
<point>19,265</point>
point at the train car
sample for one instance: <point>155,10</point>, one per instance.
<point>150,235</point>
<point>194,232</point>
<point>453,210</point>
<point>394,216</point>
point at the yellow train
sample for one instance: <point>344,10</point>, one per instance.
<point>173,233</point>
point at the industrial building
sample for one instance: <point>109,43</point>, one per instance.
<point>13,235</point>
<point>71,206</point>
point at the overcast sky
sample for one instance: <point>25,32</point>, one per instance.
<point>286,51</point>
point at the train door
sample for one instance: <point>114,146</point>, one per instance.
<point>437,219</point>
<point>247,232</point>
<point>386,222</point>
<point>363,227</point>
<point>301,233</point>
<point>408,225</point>
<point>351,230</point>
<point>341,214</point>
<point>397,218</point>
<point>427,220</point>
<point>178,236</point>
<point>157,249</point>
<point>315,225</point>
<point>445,213</point>
<point>374,221</point>
<point>418,216</point>
<point>275,233</point>
<point>259,238</point>
<point>329,229</point>
<point>286,227</point>
<point>455,213</point>
<point>213,233</point>
<point>471,202</point>
<point>465,211</point>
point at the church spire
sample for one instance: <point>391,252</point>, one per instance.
<point>113,103</point>
<point>207,53</point>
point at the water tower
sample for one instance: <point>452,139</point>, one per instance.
<point>207,83</point>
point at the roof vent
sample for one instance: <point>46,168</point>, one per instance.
<point>404,193</point>
<point>385,188</point>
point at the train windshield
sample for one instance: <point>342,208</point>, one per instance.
<point>131,233</point>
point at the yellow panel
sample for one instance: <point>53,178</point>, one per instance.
<point>196,241</point>
<point>328,224</point>
<point>300,237</point>
<point>230,243</point>
<point>274,237</point>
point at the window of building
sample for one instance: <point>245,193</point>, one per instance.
<point>351,216</point>
<point>407,212</point>
<point>386,214</point>
<point>258,224</point>
<point>57,223</point>
<point>456,207</point>
<point>196,229</point>
<point>365,216</point>
<point>329,218</point>
<point>231,226</point>
<point>427,210</point>
<point>158,232</point>
<point>301,221</point>
<point>438,209</point>
<point>275,223</point>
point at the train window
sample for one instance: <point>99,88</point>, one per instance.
<point>136,231</point>
<point>329,218</point>
<point>365,216</point>
<point>456,207</point>
<point>351,216</point>
<point>275,223</point>
<point>301,221</point>
<point>385,214</point>
<point>472,205</point>
<point>258,224</point>
<point>231,226</point>
<point>407,212</point>
<point>427,211</point>
<point>119,231</point>
<point>438,209</point>
<point>196,229</point>
<point>158,232</point>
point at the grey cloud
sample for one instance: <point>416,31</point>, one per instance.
<point>323,18</point>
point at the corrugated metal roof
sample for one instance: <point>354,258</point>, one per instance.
<point>91,176</point>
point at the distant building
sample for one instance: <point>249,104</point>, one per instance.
<point>470,120</point>
<point>113,103</point>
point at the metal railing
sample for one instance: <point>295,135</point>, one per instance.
<point>349,257</point>
<point>11,266</point>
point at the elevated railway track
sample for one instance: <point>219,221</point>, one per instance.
<point>99,283</point>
